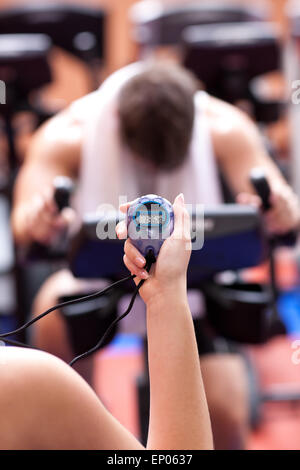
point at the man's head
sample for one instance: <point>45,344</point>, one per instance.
<point>156,109</point>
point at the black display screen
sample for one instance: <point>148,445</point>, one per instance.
<point>150,219</point>
<point>150,215</point>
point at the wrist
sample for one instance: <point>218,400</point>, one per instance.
<point>175,292</point>
<point>19,227</point>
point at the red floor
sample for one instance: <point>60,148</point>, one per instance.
<point>280,426</point>
<point>116,373</point>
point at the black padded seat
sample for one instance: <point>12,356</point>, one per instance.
<point>228,57</point>
<point>155,24</point>
<point>77,29</point>
<point>23,66</point>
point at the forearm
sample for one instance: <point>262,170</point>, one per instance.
<point>19,228</point>
<point>54,151</point>
<point>179,417</point>
<point>31,182</point>
<point>243,164</point>
<point>239,148</point>
<point>34,186</point>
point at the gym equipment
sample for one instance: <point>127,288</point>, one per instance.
<point>7,285</point>
<point>24,68</point>
<point>229,58</point>
<point>292,75</point>
<point>228,46</point>
<point>226,300</point>
<point>27,34</point>
<point>224,227</point>
<point>155,24</point>
<point>262,187</point>
<point>74,28</point>
<point>36,262</point>
<point>63,189</point>
<point>87,322</point>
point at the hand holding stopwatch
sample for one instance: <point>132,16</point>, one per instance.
<point>150,221</point>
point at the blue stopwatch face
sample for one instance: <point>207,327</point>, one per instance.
<point>149,222</point>
<point>151,214</point>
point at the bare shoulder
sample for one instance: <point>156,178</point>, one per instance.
<point>59,138</point>
<point>229,126</point>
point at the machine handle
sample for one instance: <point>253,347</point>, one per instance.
<point>260,183</point>
<point>63,189</point>
<point>262,187</point>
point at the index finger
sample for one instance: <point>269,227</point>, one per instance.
<point>121,227</point>
<point>121,230</point>
<point>124,207</point>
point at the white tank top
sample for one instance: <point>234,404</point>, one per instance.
<point>108,170</point>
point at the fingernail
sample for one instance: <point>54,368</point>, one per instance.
<point>140,262</point>
<point>180,198</point>
<point>144,275</point>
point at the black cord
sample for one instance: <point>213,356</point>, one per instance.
<point>99,344</point>
<point>150,259</point>
<point>65,304</point>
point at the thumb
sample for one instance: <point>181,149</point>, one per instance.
<point>68,216</point>
<point>179,200</point>
<point>182,219</point>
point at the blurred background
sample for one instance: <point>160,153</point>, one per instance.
<point>52,53</point>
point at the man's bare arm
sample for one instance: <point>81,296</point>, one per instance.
<point>54,150</point>
<point>239,148</point>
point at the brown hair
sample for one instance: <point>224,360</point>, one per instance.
<point>156,109</point>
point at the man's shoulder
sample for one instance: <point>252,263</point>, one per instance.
<point>220,111</point>
<point>226,120</point>
<point>60,135</point>
<point>80,108</point>
<point>229,126</point>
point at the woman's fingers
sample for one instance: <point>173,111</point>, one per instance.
<point>134,255</point>
<point>49,202</point>
<point>121,230</point>
<point>249,199</point>
<point>134,269</point>
<point>134,261</point>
